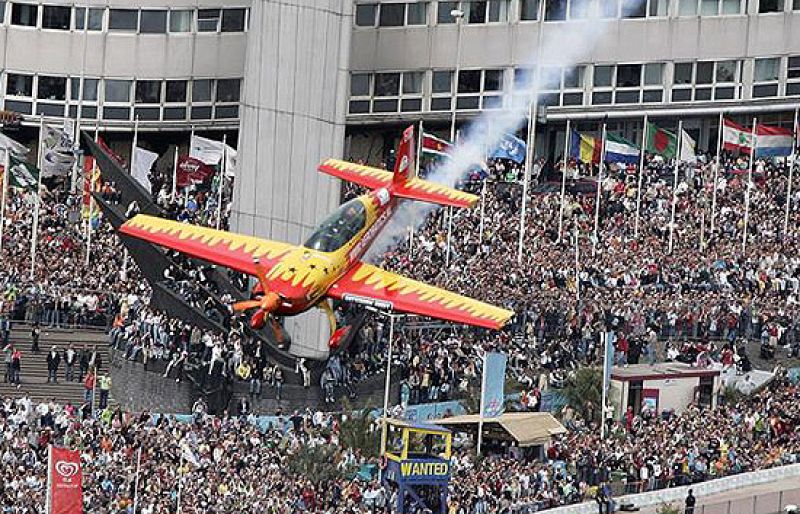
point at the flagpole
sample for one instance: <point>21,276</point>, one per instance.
<point>175,174</point>
<point>90,178</point>
<point>132,166</point>
<point>604,337</point>
<point>788,186</point>
<point>639,181</point>
<point>48,498</point>
<point>532,112</point>
<point>563,183</point>
<point>599,190</point>
<point>480,414</point>
<point>753,144</point>
<point>136,481</point>
<point>420,143</point>
<point>35,229</point>
<point>483,204</point>
<point>6,171</point>
<point>449,235</point>
<point>221,181</point>
<point>716,175</point>
<point>577,262</point>
<point>675,186</point>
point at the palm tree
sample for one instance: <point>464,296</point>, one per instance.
<point>585,386</point>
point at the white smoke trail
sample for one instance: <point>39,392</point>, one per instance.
<point>563,48</point>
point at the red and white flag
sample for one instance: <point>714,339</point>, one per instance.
<point>192,171</point>
<point>435,145</point>
<point>65,482</point>
<point>736,138</point>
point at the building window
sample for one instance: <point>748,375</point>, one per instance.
<point>796,5</point>
<point>709,7</point>
<point>56,17</point>
<point>228,90</point>
<point>479,89</point>
<point>19,85</point>
<point>208,20</point>
<point>148,92</point>
<point>89,89</point>
<point>441,90</point>
<point>634,8</point>
<point>24,15</point>
<point>417,13</point>
<point>201,90</point>
<point>559,86</point>
<point>555,10</point>
<point>89,19</point>
<point>153,22</point>
<point>52,88</point>
<point>765,77</point>
<point>176,91</point>
<point>125,20</point>
<point>359,93</point>
<point>528,10</point>
<point>233,20</point>
<point>392,15</point>
<point>485,11</point>
<point>706,80</point>
<point>443,15</point>
<point>117,91</point>
<point>365,15</point>
<point>180,21</point>
<point>765,6</point>
<point>2,11</point>
<point>793,76</point>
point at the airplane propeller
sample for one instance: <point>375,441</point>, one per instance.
<point>265,304</point>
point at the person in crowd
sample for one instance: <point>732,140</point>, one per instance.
<point>53,362</point>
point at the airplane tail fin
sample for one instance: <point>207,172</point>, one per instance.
<point>402,183</point>
<point>406,158</point>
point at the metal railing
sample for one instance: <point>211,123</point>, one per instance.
<point>765,503</point>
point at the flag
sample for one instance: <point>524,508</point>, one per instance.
<point>688,151</point>
<point>23,174</point>
<point>16,148</point>
<point>142,162</point>
<point>511,148</point>
<point>735,137</point>
<point>209,151</point>
<point>65,482</point>
<point>91,183</point>
<point>584,148</point>
<point>773,141</point>
<point>111,153</point>
<point>188,454</point>
<point>192,171</point>
<point>660,141</point>
<point>435,145</point>
<point>619,149</point>
<point>58,157</point>
<point>494,378</point>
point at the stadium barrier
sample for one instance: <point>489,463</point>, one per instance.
<point>678,494</point>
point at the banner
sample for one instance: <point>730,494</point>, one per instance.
<point>435,145</point>
<point>58,158</point>
<point>65,481</point>
<point>23,174</point>
<point>114,156</point>
<point>494,379</point>
<point>209,151</point>
<point>91,183</point>
<point>142,162</point>
<point>192,171</point>
<point>773,141</point>
<point>512,148</point>
<point>16,148</point>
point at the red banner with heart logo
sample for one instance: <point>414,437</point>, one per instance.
<point>66,482</point>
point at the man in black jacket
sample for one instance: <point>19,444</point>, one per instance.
<point>53,360</point>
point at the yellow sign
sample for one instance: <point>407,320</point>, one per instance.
<point>408,469</point>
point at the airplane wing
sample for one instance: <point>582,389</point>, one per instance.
<point>369,284</point>
<point>233,251</point>
<point>413,189</point>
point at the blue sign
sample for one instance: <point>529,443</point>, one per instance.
<point>512,148</point>
<point>418,471</point>
<point>494,378</point>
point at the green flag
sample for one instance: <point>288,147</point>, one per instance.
<point>660,141</point>
<point>23,174</point>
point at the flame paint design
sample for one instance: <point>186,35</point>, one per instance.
<point>416,188</point>
<point>419,298</point>
<point>235,251</point>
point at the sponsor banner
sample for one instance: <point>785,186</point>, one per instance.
<point>66,481</point>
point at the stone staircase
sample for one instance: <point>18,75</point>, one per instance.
<point>33,375</point>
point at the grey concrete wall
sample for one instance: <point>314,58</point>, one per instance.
<point>136,389</point>
<point>292,118</point>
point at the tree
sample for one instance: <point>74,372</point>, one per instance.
<point>355,431</point>
<point>586,385</point>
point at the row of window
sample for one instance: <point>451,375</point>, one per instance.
<point>498,11</point>
<point>391,92</point>
<point>141,21</point>
<point>122,99</point>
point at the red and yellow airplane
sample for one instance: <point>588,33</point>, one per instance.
<point>292,279</point>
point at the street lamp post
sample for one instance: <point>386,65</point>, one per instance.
<point>458,16</point>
